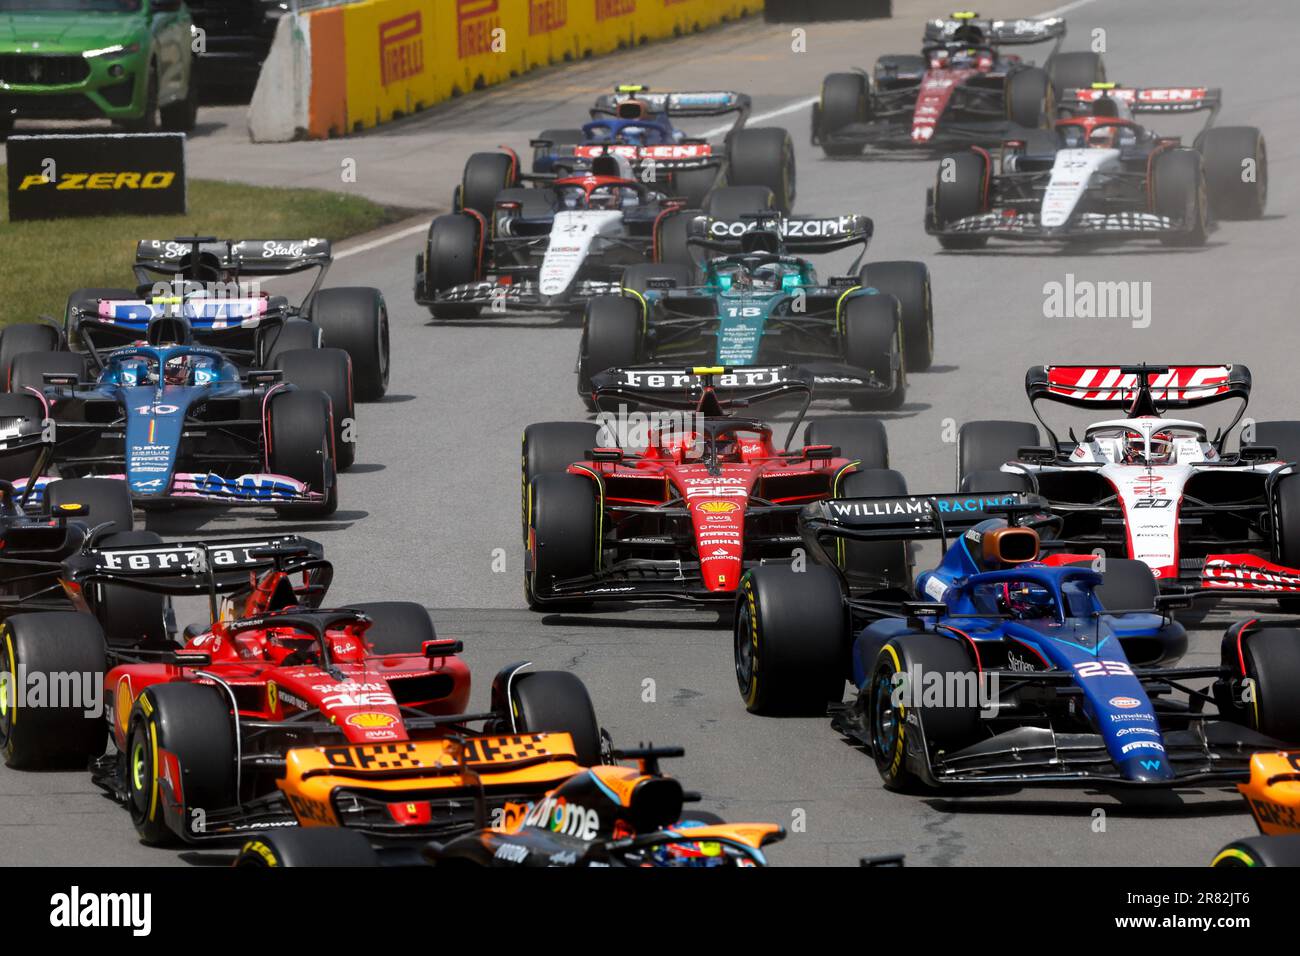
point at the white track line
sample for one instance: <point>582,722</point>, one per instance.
<point>718,131</point>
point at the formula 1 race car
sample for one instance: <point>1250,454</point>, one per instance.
<point>1002,667</point>
<point>213,286</point>
<point>1208,521</point>
<point>176,423</point>
<point>960,90</point>
<point>610,815</point>
<point>550,247</point>
<point>1273,795</point>
<point>675,505</point>
<point>637,125</point>
<point>858,333</point>
<point>281,713</point>
<point>1104,177</point>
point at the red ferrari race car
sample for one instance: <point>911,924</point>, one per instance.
<point>961,89</point>
<point>676,504</point>
<point>608,816</point>
<point>280,713</point>
<point>1101,176</point>
<point>1209,520</point>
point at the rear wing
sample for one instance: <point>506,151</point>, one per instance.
<point>215,566</point>
<point>1137,389</point>
<point>681,105</point>
<point>1019,32</point>
<point>248,256</point>
<point>798,234</point>
<point>1149,99</point>
<point>708,389</point>
<point>910,517</point>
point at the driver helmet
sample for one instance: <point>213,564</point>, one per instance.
<point>1024,599</point>
<point>133,373</point>
<point>767,277</point>
<point>177,370</point>
<point>1162,448</point>
<point>1104,137</point>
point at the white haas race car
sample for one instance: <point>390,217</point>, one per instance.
<point>1100,175</point>
<point>1149,487</point>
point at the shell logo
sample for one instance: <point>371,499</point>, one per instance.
<point>371,719</point>
<point>718,507</point>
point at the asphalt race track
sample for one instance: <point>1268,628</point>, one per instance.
<point>436,489</point>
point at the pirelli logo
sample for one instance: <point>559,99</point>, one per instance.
<point>158,179</point>
<point>401,48</point>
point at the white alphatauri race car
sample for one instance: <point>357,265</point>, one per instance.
<point>1153,487</point>
<point>1099,175</point>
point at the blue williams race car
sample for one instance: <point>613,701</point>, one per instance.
<point>1003,666</point>
<point>176,423</point>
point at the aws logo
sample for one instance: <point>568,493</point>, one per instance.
<point>81,181</point>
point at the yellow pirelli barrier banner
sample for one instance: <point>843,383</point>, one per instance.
<point>376,60</point>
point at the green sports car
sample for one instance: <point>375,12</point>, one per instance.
<point>124,60</point>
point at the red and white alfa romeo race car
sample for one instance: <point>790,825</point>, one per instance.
<point>1206,519</point>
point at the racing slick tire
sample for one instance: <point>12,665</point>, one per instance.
<point>791,639</point>
<point>330,371</point>
<point>486,175</point>
<point>671,247</point>
<point>398,627</point>
<point>551,447</point>
<point>292,335</point>
<point>301,439</point>
<point>192,723</point>
<point>308,846</point>
<point>27,337</point>
<point>1077,70</point>
<point>556,137</point>
<point>945,727</point>
<point>988,445</point>
<point>1282,850</point>
<point>858,438</point>
<point>557,702</point>
<point>1236,171</point>
<point>961,190</point>
<point>183,115</point>
<point>356,321</point>
<point>1028,94</point>
<point>1270,657</point>
<point>1127,585</point>
<point>45,736</point>
<point>846,100</point>
<point>28,411</point>
<point>130,617</point>
<point>451,258</point>
<point>869,562</point>
<point>1286,531</point>
<point>730,203</point>
<point>764,157</point>
<point>563,534</point>
<point>611,336</point>
<point>1179,192</point>
<point>873,341</point>
<point>909,283</point>
<point>88,300</point>
<point>694,185</point>
<point>994,482</point>
<point>30,368</point>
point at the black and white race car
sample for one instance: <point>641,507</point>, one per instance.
<point>1101,176</point>
<point>1146,485</point>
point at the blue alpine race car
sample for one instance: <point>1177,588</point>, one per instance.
<point>176,423</point>
<point>1003,665</point>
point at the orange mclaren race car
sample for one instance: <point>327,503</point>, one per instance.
<point>280,713</point>
<point>1273,795</point>
<point>609,815</point>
